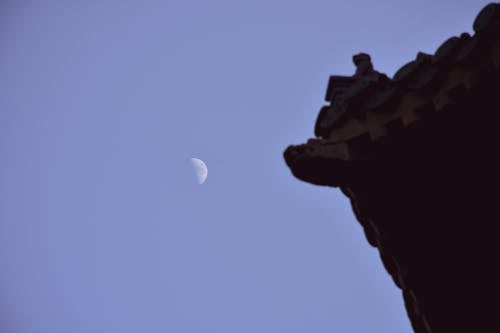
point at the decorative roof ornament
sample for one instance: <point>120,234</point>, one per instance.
<point>364,67</point>
<point>343,91</point>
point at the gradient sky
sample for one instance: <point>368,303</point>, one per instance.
<point>103,226</point>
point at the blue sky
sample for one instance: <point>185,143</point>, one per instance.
<point>103,226</point>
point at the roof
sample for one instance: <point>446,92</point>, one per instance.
<point>365,112</point>
<point>417,157</point>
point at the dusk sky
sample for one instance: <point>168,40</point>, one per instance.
<point>103,225</point>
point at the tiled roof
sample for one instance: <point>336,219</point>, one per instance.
<point>366,112</point>
<point>417,157</point>
<point>429,81</point>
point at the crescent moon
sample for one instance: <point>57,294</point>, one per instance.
<point>200,169</point>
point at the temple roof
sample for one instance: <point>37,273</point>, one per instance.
<point>416,155</point>
<point>359,105</point>
<point>370,108</point>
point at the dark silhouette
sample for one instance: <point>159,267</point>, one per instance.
<point>364,67</point>
<point>417,156</point>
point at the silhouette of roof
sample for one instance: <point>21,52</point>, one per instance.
<point>427,84</point>
<point>415,154</point>
<point>365,112</point>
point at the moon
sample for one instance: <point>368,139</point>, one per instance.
<point>200,169</point>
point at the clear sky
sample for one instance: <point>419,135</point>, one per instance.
<point>103,226</point>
